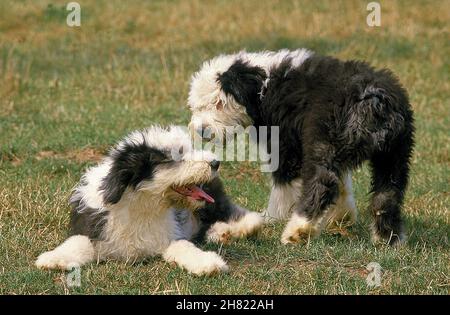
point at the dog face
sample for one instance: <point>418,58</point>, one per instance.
<point>224,93</point>
<point>181,180</point>
<point>161,166</point>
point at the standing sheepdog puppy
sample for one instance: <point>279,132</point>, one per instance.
<point>150,196</point>
<point>332,116</point>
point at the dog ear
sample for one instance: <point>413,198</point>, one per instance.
<point>132,163</point>
<point>244,82</point>
<point>219,104</point>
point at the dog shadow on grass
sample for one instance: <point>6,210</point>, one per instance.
<point>427,232</point>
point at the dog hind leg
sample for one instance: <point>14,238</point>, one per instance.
<point>344,212</point>
<point>389,180</point>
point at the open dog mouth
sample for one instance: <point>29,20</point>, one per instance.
<point>194,191</point>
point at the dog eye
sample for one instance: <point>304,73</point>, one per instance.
<point>176,154</point>
<point>181,150</point>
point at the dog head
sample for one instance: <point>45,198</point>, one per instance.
<point>225,92</point>
<point>160,166</point>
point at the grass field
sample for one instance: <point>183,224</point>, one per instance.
<point>66,94</point>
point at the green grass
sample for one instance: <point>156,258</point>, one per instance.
<point>65,92</point>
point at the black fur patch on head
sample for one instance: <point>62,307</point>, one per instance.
<point>132,163</point>
<point>244,82</point>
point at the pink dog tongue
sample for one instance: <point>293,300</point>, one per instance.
<point>197,193</point>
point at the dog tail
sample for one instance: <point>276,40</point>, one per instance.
<point>76,251</point>
<point>382,106</point>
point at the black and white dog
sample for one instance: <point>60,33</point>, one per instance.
<point>332,116</point>
<point>150,196</point>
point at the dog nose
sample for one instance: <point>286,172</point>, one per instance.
<point>199,131</point>
<point>214,165</point>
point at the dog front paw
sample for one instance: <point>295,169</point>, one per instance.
<point>219,232</point>
<point>247,225</point>
<point>51,260</point>
<point>193,259</point>
<point>209,263</point>
<point>250,224</point>
<point>299,229</point>
<point>293,236</point>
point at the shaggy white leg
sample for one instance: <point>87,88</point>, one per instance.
<point>282,200</point>
<point>193,259</point>
<point>300,228</point>
<point>77,250</point>
<point>344,212</point>
<point>222,232</point>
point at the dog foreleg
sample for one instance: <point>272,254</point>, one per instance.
<point>249,223</point>
<point>186,255</point>
<point>320,191</point>
<point>76,251</point>
<point>283,198</point>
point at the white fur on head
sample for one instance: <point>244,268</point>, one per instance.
<point>205,89</point>
<point>171,139</point>
<point>209,104</point>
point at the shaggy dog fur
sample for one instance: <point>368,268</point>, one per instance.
<point>150,196</point>
<point>332,115</point>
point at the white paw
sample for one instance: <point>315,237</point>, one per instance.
<point>219,232</point>
<point>299,229</point>
<point>77,250</point>
<point>247,225</point>
<point>52,260</point>
<point>251,223</point>
<point>209,263</point>
<point>193,259</point>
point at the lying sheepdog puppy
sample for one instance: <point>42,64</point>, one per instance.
<point>150,196</point>
<point>332,116</point>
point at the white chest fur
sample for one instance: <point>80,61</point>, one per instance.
<point>137,228</point>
